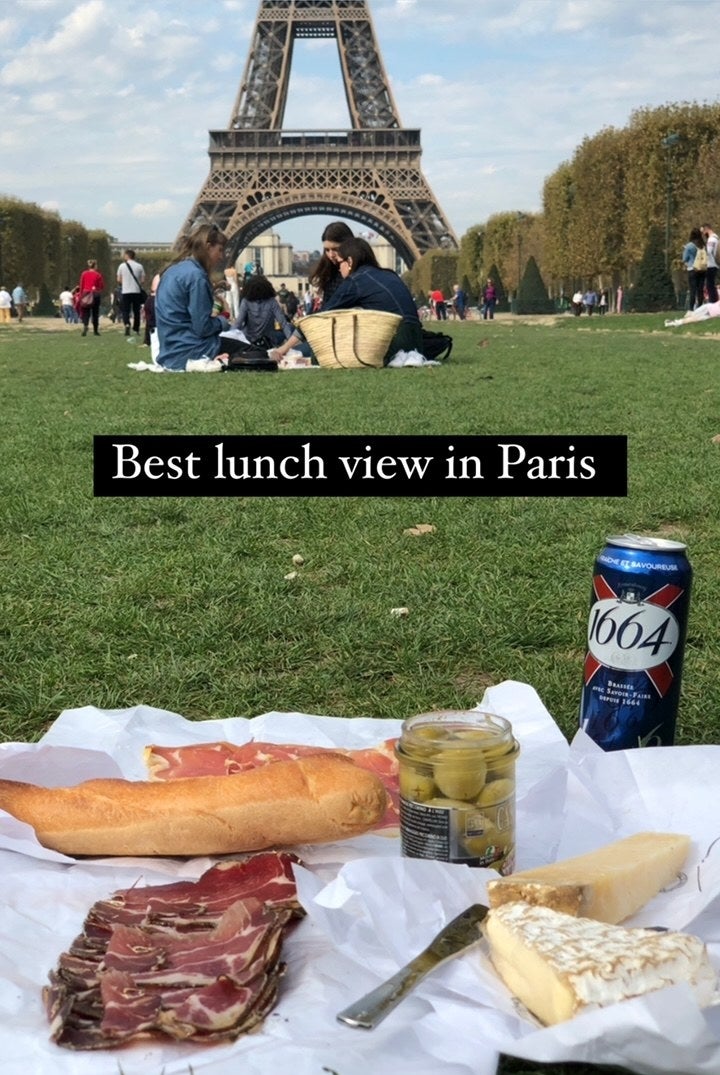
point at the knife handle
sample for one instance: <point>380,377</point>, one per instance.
<point>371,1009</point>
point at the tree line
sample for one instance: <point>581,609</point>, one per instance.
<point>621,190</point>
<point>45,253</point>
<point>601,209</point>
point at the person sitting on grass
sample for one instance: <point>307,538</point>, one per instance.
<point>260,311</point>
<point>324,277</point>
<point>700,313</point>
<point>367,286</point>
<point>187,329</point>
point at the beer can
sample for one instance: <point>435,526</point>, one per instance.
<point>457,788</point>
<point>635,642</point>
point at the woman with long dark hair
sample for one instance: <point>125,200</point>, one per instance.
<point>696,275</point>
<point>324,276</point>
<point>187,328</point>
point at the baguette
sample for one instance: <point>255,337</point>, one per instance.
<point>316,799</point>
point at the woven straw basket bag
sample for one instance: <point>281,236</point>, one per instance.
<point>350,339</point>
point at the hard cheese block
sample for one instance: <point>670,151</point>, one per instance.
<point>559,966</point>
<point>609,884</point>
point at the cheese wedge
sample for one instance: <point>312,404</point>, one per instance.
<point>559,966</point>
<point>609,884</point>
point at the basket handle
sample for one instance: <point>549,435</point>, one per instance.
<point>354,336</point>
<point>360,362</point>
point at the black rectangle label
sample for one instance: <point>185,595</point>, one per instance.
<point>360,466</point>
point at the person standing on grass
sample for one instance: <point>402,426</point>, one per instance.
<point>5,305</point>
<point>130,277</point>
<point>711,249</point>
<point>459,301</point>
<point>20,301</point>
<point>696,276</point>
<point>589,301</point>
<point>439,306</point>
<point>91,284</point>
<point>489,300</point>
<point>67,306</point>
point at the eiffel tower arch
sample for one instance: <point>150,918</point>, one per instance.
<point>262,174</point>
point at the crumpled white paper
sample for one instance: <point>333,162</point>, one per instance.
<point>370,910</point>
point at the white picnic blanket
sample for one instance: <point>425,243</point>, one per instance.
<point>369,910</point>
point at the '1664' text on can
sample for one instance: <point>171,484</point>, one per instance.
<point>636,642</point>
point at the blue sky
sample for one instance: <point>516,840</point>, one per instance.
<point>106,106</point>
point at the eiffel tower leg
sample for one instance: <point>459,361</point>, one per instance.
<point>261,174</point>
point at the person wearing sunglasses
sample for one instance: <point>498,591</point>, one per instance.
<point>367,286</point>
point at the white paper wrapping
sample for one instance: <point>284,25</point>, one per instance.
<point>370,911</point>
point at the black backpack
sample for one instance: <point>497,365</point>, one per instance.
<point>247,357</point>
<point>436,345</point>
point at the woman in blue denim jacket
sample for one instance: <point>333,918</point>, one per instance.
<point>187,328</point>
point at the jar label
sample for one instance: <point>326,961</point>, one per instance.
<point>461,835</point>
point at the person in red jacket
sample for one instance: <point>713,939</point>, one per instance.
<point>438,301</point>
<point>90,291</point>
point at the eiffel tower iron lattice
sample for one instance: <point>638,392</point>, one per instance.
<point>261,174</point>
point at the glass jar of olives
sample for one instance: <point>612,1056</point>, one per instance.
<point>457,788</point>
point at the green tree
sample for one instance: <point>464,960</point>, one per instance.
<point>45,307</point>
<point>532,295</point>
<point>653,290</point>
<point>470,261</point>
<point>435,269</point>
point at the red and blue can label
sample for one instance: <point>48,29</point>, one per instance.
<point>636,641</point>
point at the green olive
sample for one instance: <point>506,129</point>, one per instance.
<point>414,785</point>
<point>459,779</point>
<point>494,792</point>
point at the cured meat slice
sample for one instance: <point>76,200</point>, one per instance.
<point>267,877</point>
<point>223,759</point>
<point>245,930</point>
<point>190,905</point>
<point>207,971</point>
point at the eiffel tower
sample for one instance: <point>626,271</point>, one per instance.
<point>261,174</point>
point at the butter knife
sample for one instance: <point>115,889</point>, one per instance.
<point>459,934</point>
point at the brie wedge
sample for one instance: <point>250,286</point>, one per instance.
<point>609,884</point>
<point>559,966</point>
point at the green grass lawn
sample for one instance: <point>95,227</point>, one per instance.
<point>182,603</point>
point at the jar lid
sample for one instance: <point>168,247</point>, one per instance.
<point>458,729</point>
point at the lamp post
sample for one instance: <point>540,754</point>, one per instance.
<point>520,221</point>
<point>668,143</point>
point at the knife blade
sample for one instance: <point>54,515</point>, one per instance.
<point>458,935</point>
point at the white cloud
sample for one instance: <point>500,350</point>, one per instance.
<point>112,125</point>
<point>150,210</point>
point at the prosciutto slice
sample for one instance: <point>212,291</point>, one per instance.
<point>192,905</point>
<point>197,961</point>
<point>223,758</point>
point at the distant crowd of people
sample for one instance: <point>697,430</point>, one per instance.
<point>196,300</point>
